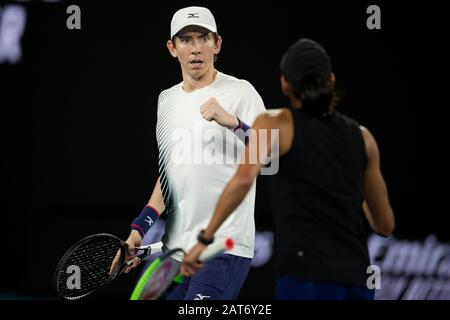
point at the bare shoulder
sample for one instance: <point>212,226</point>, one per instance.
<point>273,118</point>
<point>282,120</point>
<point>367,135</point>
<point>369,141</point>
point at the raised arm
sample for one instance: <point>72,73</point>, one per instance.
<point>240,184</point>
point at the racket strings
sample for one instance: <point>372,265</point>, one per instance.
<point>161,278</point>
<point>94,260</point>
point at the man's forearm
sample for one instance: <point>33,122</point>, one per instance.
<point>156,199</point>
<point>241,130</point>
<point>150,213</point>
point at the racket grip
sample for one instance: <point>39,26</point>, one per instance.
<point>150,249</point>
<point>156,247</point>
<point>216,248</point>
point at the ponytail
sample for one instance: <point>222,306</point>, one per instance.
<point>316,94</point>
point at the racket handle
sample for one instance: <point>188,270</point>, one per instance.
<point>216,248</point>
<point>150,249</point>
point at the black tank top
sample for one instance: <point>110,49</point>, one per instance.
<point>321,231</point>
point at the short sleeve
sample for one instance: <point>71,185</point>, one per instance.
<point>251,104</point>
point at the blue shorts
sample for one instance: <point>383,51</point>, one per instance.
<point>220,279</point>
<point>292,288</point>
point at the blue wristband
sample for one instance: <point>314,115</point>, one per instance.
<point>241,129</point>
<point>145,220</point>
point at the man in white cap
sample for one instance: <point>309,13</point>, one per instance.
<point>217,104</point>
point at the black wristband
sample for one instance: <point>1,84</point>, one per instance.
<point>201,239</point>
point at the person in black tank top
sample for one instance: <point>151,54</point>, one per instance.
<point>328,188</point>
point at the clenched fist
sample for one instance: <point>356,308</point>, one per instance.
<point>211,110</point>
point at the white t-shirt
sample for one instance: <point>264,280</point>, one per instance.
<point>197,158</point>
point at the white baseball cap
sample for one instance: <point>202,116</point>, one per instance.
<point>198,16</point>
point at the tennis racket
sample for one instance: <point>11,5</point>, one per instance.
<point>163,274</point>
<point>88,265</point>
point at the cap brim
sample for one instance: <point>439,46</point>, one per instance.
<point>203,25</point>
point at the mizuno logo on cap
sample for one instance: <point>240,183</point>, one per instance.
<point>193,15</point>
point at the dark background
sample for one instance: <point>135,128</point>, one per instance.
<point>78,115</point>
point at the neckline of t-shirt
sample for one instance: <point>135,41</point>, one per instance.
<point>218,75</point>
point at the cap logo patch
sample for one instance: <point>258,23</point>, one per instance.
<point>193,15</point>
